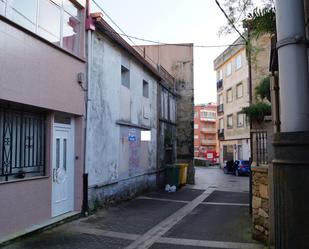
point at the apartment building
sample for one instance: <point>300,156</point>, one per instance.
<point>232,94</point>
<point>205,129</point>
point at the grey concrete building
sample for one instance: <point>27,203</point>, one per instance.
<point>122,117</point>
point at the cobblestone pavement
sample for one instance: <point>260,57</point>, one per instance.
<point>211,214</point>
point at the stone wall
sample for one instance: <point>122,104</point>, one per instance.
<point>260,203</point>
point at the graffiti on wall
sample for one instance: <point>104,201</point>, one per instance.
<point>134,148</point>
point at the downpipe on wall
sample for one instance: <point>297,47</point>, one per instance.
<point>291,164</point>
<point>85,205</point>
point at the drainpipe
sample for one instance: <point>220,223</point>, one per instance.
<point>293,65</point>
<point>291,145</point>
<point>89,27</point>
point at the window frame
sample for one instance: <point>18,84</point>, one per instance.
<point>243,120</point>
<point>23,144</point>
<point>219,74</point>
<point>230,116</point>
<point>9,10</point>
<point>242,90</point>
<point>221,120</point>
<point>227,95</point>
<point>145,89</point>
<point>229,69</point>
<point>125,76</point>
<point>238,62</point>
<point>220,99</point>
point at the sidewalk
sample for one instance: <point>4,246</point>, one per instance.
<point>212,214</point>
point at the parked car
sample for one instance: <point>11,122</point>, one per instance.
<point>238,167</point>
<point>209,155</point>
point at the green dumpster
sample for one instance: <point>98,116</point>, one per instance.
<point>172,175</point>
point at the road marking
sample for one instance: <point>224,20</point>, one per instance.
<point>161,199</point>
<point>206,243</point>
<point>174,241</point>
<point>150,237</point>
<point>203,203</point>
<point>101,232</point>
<point>225,204</point>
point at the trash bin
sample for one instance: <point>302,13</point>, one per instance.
<point>183,169</point>
<point>172,175</point>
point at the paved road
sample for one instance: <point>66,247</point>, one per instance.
<point>211,214</point>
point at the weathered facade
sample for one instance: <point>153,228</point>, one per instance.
<point>205,129</point>
<point>233,95</point>
<point>123,95</point>
<point>177,59</point>
<point>41,109</point>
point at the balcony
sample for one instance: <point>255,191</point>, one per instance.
<point>220,108</point>
<point>208,119</point>
<point>208,142</point>
<point>221,134</point>
<point>219,85</point>
<point>208,130</point>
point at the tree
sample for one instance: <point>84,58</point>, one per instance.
<point>239,10</point>
<point>262,90</point>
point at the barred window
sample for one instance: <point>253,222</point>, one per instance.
<point>22,138</point>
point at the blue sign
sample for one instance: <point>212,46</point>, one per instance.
<point>131,138</point>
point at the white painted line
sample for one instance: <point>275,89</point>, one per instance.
<point>150,237</point>
<point>203,203</point>
<point>206,243</point>
<point>101,232</point>
<point>161,199</point>
<point>225,204</point>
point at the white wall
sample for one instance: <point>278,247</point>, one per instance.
<point>110,155</point>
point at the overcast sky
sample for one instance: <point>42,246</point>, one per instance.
<point>176,21</point>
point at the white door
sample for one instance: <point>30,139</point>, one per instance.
<point>62,170</point>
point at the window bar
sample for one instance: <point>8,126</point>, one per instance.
<point>262,147</point>
<point>21,151</point>
<point>10,117</point>
<point>266,152</point>
<point>257,148</point>
<point>28,138</point>
<point>44,145</point>
<point>24,141</point>
<point>16,138</point>
<point>3,142</point>
<point>33,127</point>
<point>37,142</point>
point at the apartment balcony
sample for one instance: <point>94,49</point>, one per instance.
<point>208,119</point>
<point>219,85</point>
<point>220,108</point>
<point>208,142</point>
<point>208,130</point>
<point>221,134</point>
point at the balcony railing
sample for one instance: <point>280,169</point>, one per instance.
<point>208,142</point>
<point>220,84</point>
<point>208,130</point>
<point>221,134</point>
<point>220,108</point>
